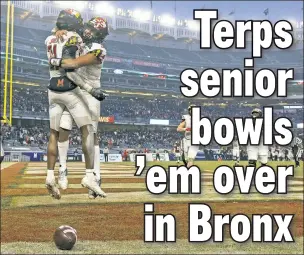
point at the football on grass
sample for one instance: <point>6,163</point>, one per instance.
<point>65,237</point>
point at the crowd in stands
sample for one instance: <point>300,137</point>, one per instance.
<point>118,48</point>
<point>26,136</point>
<point>27,101</point>
<point>122,138</point>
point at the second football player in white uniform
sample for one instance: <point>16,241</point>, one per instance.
<point>257,152</point>
<point>177,151</point>
<point>236,152</point>
<point>65,95</point>
<point>189,151</point>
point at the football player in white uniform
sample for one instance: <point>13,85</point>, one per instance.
<point>177,151</point>
<point>189,151</point>
<point>236,151</point>
<point>65,95</point>
<point>260,151</point>
<point>297,149</point>
<point>89,72</point>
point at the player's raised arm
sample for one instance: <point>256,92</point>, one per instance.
<point>182,126</point>
<point>95,92</point>
<point>94,57</point>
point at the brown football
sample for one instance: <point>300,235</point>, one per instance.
<point>65,237</point>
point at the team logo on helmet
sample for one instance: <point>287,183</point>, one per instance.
<point>98,23</point>
<point>73,12</point>
<point>96,30</point>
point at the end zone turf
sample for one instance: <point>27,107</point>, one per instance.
<point>139,247</point>
<point>28,210</point>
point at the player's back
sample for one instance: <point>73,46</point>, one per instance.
<point>91,73</point>
<point>70,47</point>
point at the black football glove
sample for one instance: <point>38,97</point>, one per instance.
<point>99,94</point>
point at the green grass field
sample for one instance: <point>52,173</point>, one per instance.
<point>115,225</point>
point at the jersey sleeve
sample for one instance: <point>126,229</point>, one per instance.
<point>72,47</point>
<point>98,50</point>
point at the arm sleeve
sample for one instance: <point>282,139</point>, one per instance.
<point>74,77</point>
<point>72,46</point>
<point>71,49</point>
<point>99,51</point>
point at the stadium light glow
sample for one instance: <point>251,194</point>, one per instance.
<point>79,5</point>
<point>192,25</point>
<point>167,20</point>
<point>64,4</point>
<point>105,8</point>
<point>141,15</point>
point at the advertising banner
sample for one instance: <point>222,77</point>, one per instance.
<point>151,156</point>
<point>111,158</point>
<point>70,157</point>
<point>159,122</point>
<point>113,59</point>
<point>145,63</point>
<point>109,119</point>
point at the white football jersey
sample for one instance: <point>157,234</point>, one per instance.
<point>57,49</point>
<point>187,119</point>
<point>91,74</point>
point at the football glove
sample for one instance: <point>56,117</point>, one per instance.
<point>99,94</point>
<point>55,61</point>
<point>188,129</point>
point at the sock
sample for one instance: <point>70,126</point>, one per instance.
<point>97,163</point>
<point>63,152</point>
<point>90,173</point>
<point>50,174</point>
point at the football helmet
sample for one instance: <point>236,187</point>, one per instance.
<point>190,108</point>
<point>95,30</point>
<point>70,20</point>
<point>256,113</point>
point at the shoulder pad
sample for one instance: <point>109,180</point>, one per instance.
<point>48,39</point>
<point>98,50</point>
<point>73,38</point>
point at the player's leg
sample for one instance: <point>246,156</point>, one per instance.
<point>192,152</point>
<point>263,154</point>
<point>94,107</point>
<point>252,152</point>
<point>177,155</point>
<point>185,147</point>
<point>66,124</point>
<point>236,156</point>
<point>80,112</point>
<point>55,112</point>
<point>297,156</point>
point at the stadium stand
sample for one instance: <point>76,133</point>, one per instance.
<point>144,67</point>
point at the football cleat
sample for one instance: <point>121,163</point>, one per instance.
<point>91,184</point>
<point>92,195</point>
<point>62,178</point>
<point>50,184</point>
